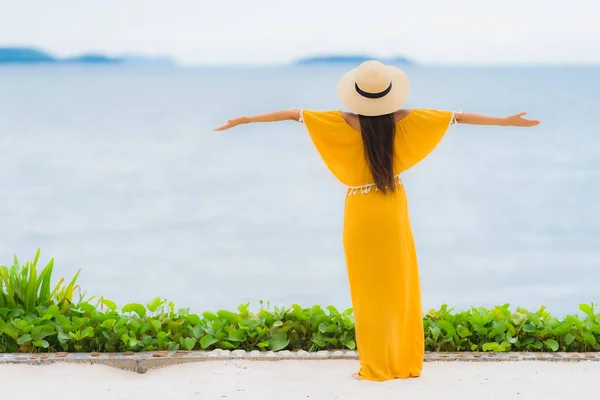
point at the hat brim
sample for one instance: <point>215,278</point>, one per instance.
<point>390,103</point>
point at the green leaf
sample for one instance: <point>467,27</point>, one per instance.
<point>278,341</point>
<point>435,332</point>
<point>15,313</point>
<point>595,329</point>
<point>30,298</point>
<point>63,337</point>
<point>511,339</point>
<point>154,304</point>
<point>493,346</point>
<point>145,327</point>
<point>534,318</point>
<point>197,331</point>
<point>588,338</point>
<point>188,343</point>
<point>498,328</point>
<point>23,339</point>
<point>299,312</point>
<point>211,316</point>
<point>226,315</point>
<point>139,309</point>
<point>44,282</point>
<point>9,330</point>
<point>40,332</point>
<point>528,341</point>
<point>243,308</point>
<point>226,345</point>
<point>53,310</point>
<point>351,344</point>
<point>193,319</point>
<point>464,332</point>
<point>447,327</point>
<point>156,325</point>
<point>88,332</point>
<point>537,344</point>
<point>161,336</point>
<point>109,323</point>
<point>588,310</point>
<point>332,311</point>
<point>236,335</point>
<point>41,343</point>
<point>208,340</point>
<point>46,317</point>
<point>147,340</point>
<point>505,346</point>
<point>569,338</point>
<point>517,318</point>
<point>319,340</point>
<point>323,327</point>
<point>264,344</point>
<point>110,304</point>
<point>552,344</point>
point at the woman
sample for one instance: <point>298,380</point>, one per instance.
<point>367,150</point>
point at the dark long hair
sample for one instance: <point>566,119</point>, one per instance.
<point>378,138</point>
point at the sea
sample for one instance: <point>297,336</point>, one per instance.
<point>116,171</point>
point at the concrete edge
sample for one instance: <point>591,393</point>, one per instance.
<point>143,362</point>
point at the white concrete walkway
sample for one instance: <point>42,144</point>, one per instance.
<point>291,380</point>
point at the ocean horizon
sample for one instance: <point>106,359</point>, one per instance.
<point>16,56</point>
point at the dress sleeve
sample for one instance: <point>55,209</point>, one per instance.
<point>338,145</point>
<point>418,134</point>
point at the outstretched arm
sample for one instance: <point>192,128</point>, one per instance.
<point>512,120</point>
<point>274,116</point>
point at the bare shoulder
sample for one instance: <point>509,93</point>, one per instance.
<point>351,119</point>
<point>401,114</point>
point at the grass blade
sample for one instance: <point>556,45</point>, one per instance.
<point>30,294</point>
<point>9,296</point>
<point>44,279</point>
<point>36,258</point>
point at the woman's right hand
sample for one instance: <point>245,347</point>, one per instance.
<point>273,116</point>
<point>231,123</point>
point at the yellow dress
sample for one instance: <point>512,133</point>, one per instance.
<point>378,242</point>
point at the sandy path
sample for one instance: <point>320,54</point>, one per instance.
<point>328,380</point>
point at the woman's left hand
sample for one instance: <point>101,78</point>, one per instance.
<point>231,123</point>
<point>520,120</point>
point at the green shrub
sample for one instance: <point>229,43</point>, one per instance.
<point>35,319</point>
<point>157,326</point>
<point>499,329</point>
<point>22,287</point>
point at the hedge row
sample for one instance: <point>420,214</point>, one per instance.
<point>34,318</point>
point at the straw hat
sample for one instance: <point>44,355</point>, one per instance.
<point>374,89</point>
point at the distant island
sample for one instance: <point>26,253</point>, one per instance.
<point>24,55</point>
<point>350,59</point>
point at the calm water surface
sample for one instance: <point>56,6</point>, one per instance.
<point>117,172</point>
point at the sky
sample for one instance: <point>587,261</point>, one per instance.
<point>269,31</point>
